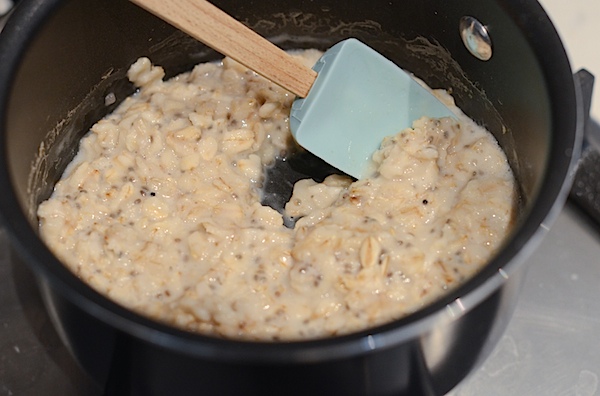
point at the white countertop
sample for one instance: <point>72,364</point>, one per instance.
<point>578,24</point>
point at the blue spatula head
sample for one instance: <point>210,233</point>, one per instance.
<point>358,98</point>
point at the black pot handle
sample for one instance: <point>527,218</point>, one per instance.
<point>585,191</point>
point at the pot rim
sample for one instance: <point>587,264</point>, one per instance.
<point>14,41</point>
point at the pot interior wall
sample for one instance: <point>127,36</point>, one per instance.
<point>61,87</point>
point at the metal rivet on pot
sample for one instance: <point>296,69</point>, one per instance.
<point>476,38</point>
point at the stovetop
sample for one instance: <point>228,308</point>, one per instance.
<point>549,348</point>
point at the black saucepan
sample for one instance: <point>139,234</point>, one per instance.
<point>60,60</point>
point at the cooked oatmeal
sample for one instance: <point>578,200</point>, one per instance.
<point>160,210</point>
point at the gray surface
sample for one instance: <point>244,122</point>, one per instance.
<point>549,348</point>
<point>551,345</point>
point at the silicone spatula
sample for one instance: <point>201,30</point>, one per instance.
<point>346,104</point>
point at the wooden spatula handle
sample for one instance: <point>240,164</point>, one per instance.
<point>213,27</point>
